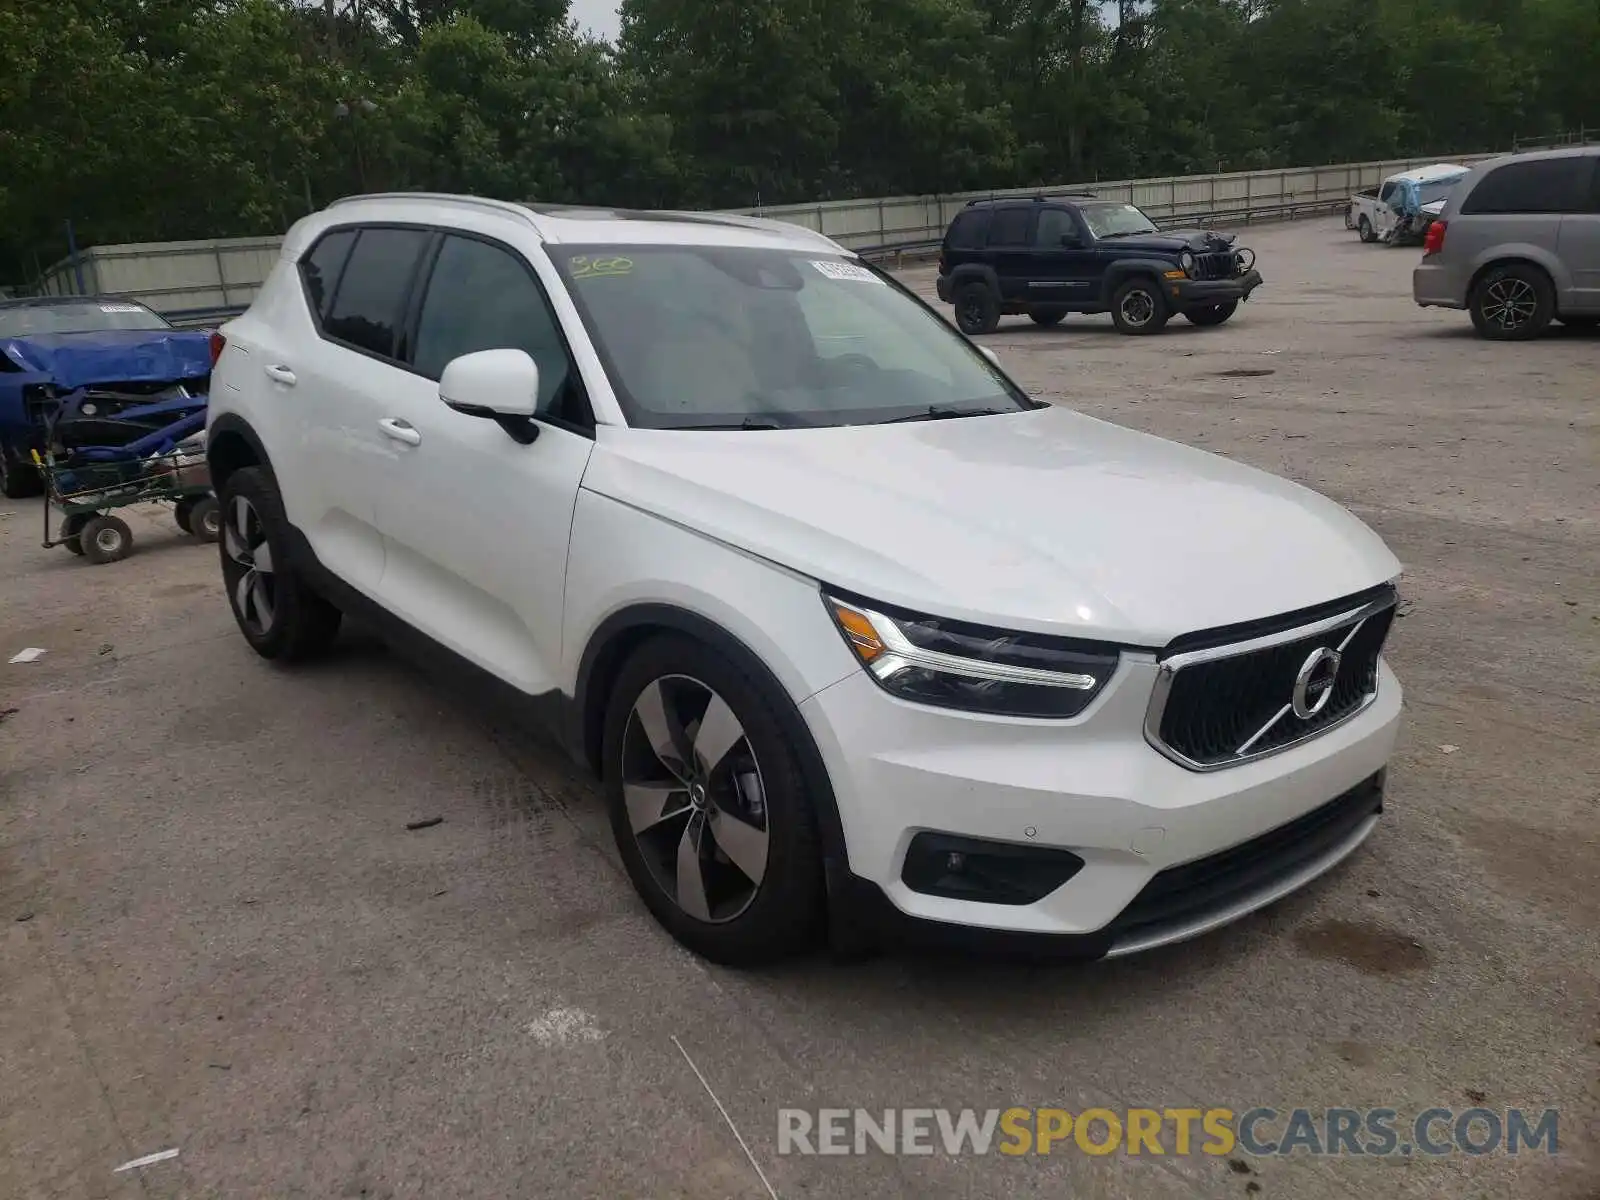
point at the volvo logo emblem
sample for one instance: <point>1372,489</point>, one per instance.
<point>1313,686</point>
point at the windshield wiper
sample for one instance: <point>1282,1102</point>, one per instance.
<point>747,423</point>
<point>943,412</point>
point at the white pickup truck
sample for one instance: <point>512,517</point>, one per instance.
<point>1402,208</point>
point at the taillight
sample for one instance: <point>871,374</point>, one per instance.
<point>218,342</point>
<point>1433,240</point>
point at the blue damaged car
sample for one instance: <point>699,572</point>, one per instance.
<point>104,354</point>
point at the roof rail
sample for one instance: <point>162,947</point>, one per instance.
<point>500,206</point>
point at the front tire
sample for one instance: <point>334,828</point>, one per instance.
<point>977,309</point>
<point>709,806</point>
<point>276,609</point>
<point>1512,303</point>
<point>1212,314</point>
<point>18,480</point>
<point>1139,308</point>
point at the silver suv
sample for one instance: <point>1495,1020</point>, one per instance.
<point>1518,244</point>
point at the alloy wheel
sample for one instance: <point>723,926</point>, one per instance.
<point>254,590</point>
<point>1509,303</point>
<point>1138,307</point>
<point>695,799</point>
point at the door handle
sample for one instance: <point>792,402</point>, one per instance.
<point>400,431</point>
<point>280,375</point>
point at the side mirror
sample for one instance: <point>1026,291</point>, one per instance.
<point>502,385</point>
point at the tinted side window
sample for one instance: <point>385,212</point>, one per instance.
<point>320,268</point>
<point>482,297</point>
<point>1054,224</point>
<point>968,230</point>
<point>1010,227</point>
<point>369,302</point>
<point>1386,191</point>
<point>1550,185</point>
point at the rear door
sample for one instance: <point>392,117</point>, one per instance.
<point>1579,246</point>
<point>476,524</point>
<point>336,383</point>
<point>1011,250</point>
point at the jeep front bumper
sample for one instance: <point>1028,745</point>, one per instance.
<point>1198,293</point>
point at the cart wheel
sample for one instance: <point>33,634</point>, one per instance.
<point>106,539</point>
<point>205,519</point>
<point>71,527</point>
<point>182,513</point>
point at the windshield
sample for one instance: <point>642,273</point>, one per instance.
<point>698,337</point>
<point>89,316</point>
<point>1115,220</point>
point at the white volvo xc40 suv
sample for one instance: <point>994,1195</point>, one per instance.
<point>860,637</point>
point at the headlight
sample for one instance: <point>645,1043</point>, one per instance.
<point>955,665</point>
<point>1186,261</point>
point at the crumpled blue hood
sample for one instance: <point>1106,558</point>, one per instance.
<point>74,360</point>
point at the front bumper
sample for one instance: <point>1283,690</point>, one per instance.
<point>1198,293</point>
<point>1093,786</point>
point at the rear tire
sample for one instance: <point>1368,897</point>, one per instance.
<point>105,540</point>
<point>977,309</point>
<point>1512,303</point>
<point>71,528</point>
<point>1364,227</point>
<point>1212,314</point>
<point>276,609</point>
<point>699,890</point>
<point>180,514</point>
<point>1139,308</point>
<point>1047,318</point>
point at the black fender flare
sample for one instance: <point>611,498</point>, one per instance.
<point>223,455</point>
<point>1125,269</point>
<point>967,273</point>
<point>619,633</point>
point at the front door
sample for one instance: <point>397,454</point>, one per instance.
<point>1065,269</point>
<point>475,523</point>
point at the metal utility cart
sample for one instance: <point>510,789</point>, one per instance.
<point>85,493</point>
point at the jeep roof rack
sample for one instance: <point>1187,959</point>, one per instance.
<point>1039,198</point>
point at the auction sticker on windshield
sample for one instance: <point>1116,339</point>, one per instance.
<point>116,308</point>
<point>834,269</point>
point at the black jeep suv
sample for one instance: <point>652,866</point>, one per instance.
<point>1051,255</point>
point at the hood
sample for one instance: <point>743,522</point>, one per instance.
<point>74,360</point>
<point>1171,241</point>
<point>1046,521</point>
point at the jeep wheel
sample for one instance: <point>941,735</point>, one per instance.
<point>1212,314</point>
<point>1047,317</point>
<point>1364,226</point>
<point>1139,307</point>
<point>977,309</point>
<point>709,806</point>
<point>1512,303</point>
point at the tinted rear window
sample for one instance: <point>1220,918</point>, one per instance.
<point>321,268</point>
<point>969,230</point>
<point>1547,185</point>
<point>367,305</point>
<point>1010,227</point>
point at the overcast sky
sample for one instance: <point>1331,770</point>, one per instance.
<point>597,16</point>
